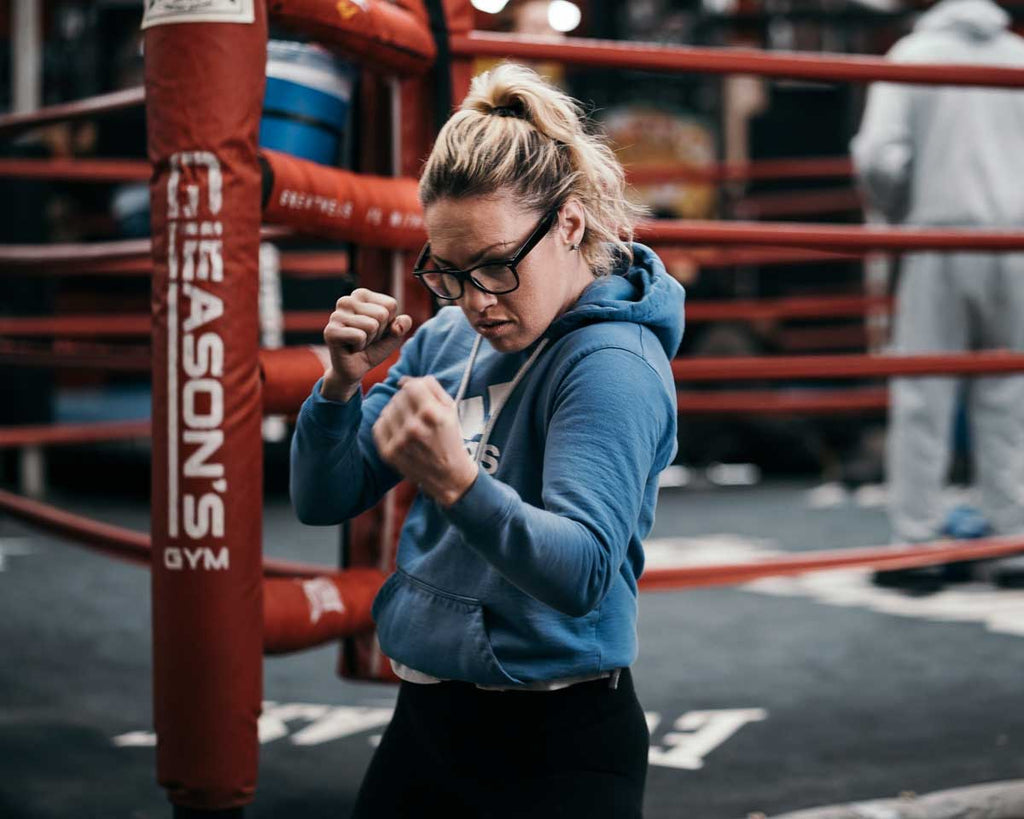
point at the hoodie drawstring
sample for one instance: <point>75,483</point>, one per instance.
<point>500,405</point>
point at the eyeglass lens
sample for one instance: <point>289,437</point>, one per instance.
<point>492,278</point>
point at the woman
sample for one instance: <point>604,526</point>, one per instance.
<point>534,413</point>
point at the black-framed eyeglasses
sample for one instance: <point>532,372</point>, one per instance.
<point>494,276</point>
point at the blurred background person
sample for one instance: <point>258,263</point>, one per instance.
<point>943,157</point>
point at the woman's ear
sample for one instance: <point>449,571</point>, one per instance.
<point>572,223</point>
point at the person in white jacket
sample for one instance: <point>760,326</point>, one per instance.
<point>952,156</point>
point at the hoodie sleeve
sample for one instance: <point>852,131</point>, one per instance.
<point>612,428</point>
<point>882,149</point>
<point>336,471</point>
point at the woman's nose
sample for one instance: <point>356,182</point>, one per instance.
<point>474,299</point>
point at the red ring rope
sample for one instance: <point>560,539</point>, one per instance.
<point>846,366</point>
<point>313,321</point>
<point>289,373</point>
<point>826,237</point>
<point>734,402</point>
<point>879,557</point>
<point>793,402</point>
<point>76,354</point>
<point>76,170</point>
<point>80,260</point>
<point>121,256</point>
<point>798,203</point>
<point>131,170</point>
<point>52,434</point>
<point>763,169</point>
<point>800,307</point>
<point>708,257</point>
<point>713,60</point>
<point>135,547</point>
<point>11,124</point>
<point>99,325</point>
<point>288,625</point>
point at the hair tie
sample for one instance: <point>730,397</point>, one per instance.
<point>504,111</point>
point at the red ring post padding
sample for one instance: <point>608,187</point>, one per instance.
<point>204,94</point>
<point>289,374</point>
<point>374,211</point>
<point>393,38</point>
<point>300,613</point>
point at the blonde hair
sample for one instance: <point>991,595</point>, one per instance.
<point>515,132</point>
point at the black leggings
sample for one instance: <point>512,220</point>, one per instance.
<point>457,751</point>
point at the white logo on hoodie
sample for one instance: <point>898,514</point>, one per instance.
<point>474,413</point>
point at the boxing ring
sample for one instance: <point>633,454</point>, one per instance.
<point>218,606</point>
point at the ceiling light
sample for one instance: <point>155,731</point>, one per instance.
<point>489,6</point>
<point>564,16</point>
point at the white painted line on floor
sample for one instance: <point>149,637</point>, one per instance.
<point>827,496</point>
<point>136,739</point>
<point>1000,611</point>
<point>698,733</point>
<point>872,496</point>
<point>14,547</point>
<point>693,735</point>
<point>705,550</point>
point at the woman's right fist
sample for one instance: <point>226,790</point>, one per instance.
<point>362,332</point>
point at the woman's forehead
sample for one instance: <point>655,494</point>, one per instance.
<point>473,223</point>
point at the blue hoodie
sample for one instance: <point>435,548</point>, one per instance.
<point>532,574</point>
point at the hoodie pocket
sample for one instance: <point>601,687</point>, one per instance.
<point>436,632</point>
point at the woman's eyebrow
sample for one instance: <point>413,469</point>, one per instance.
<point>476,257</point>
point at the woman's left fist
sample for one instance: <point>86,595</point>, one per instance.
<point>418,434</point>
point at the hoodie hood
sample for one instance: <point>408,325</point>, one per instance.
<point>978,19</point>
<point>640,292</point>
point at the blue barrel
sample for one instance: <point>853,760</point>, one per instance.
<point>305,108</point>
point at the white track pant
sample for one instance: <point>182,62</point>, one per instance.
<point>951,303</point>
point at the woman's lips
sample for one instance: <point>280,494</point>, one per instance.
<point>489,328</point>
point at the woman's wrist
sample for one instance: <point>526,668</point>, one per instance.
<point>334,388</point>
<point>459,486</point>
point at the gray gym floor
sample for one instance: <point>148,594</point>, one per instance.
<point>772,697</point>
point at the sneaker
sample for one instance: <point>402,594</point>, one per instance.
<point>1004,572</point>
<point>964,523</point>
<point>918,581</point>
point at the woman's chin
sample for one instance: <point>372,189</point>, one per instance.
<point>505,338</point>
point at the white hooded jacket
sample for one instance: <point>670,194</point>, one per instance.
<point>947,155</point>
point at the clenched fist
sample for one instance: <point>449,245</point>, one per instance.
<point>418,434</point>
<point>363,331</point>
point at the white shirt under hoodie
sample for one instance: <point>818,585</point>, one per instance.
<point>947,155</point>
